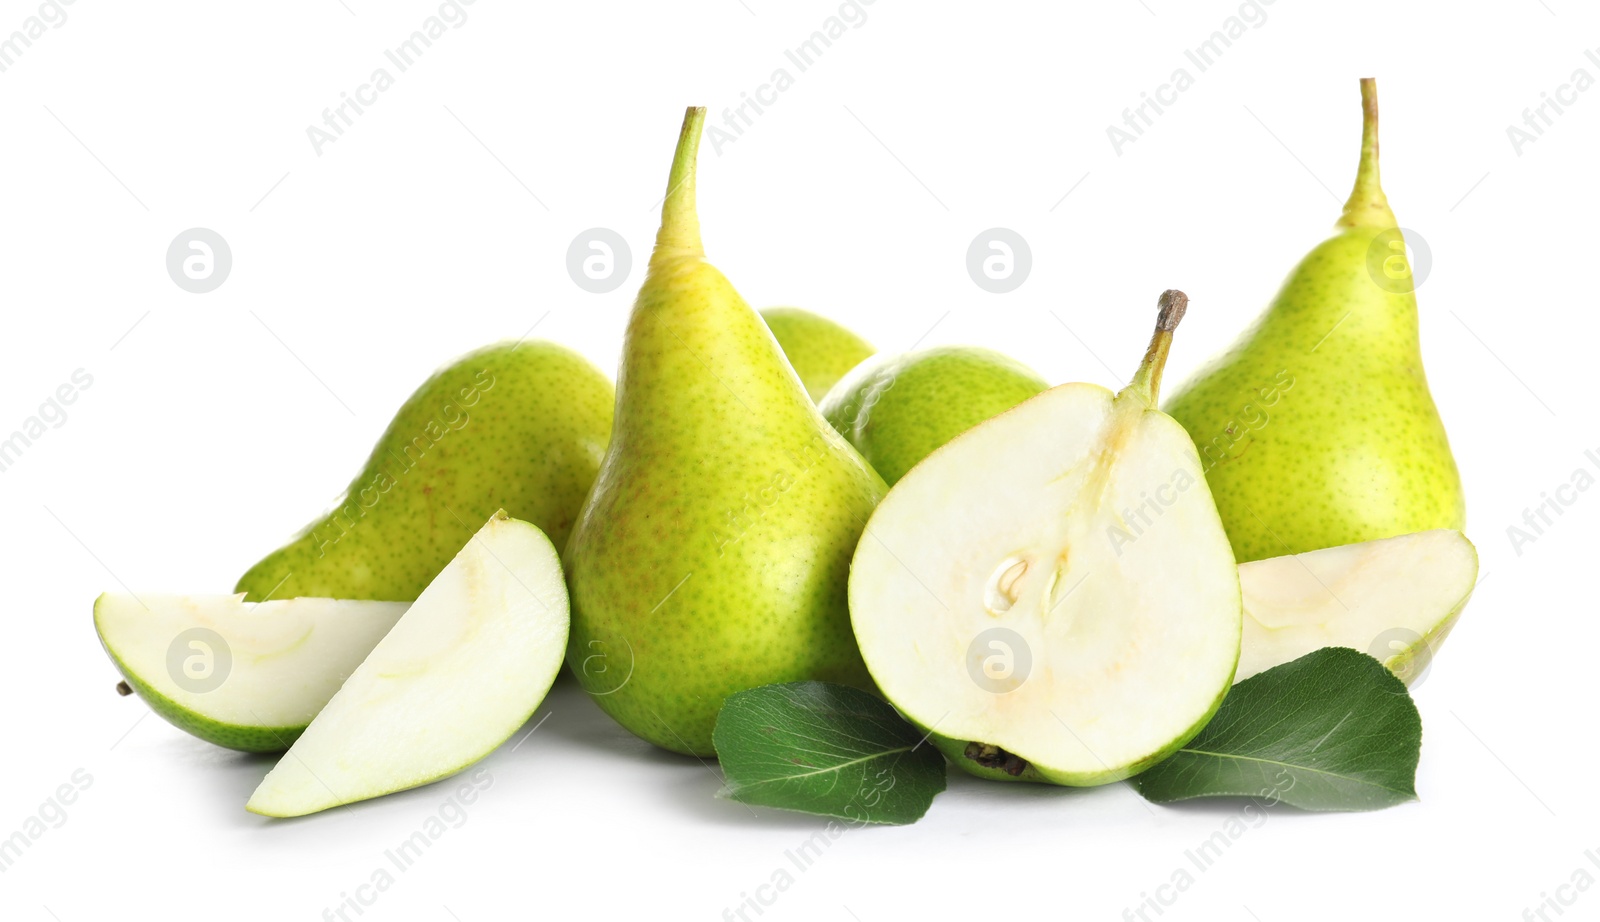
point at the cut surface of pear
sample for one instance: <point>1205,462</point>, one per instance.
<point>245,675</point>
<point>1395,598</point>
<point>463,669</point>
<point>1051,593</point>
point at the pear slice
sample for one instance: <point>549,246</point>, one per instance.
<point>245,675</point>
<point>1395,598</point>
<point>1051,594</point>
<point>462,671</point>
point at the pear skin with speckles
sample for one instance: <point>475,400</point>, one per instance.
<point>713,554</point>
<point>1317,428</point>
<point>514,426</point>
<point>897,409</point>
<point>820,350</point>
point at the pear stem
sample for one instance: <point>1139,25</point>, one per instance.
<point>679,235</point>
<point>1147,380</point>
<point>1367,205</point>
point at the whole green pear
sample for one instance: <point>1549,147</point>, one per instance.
<point>1317,428</point>
<point>897,409</point>
<point>713,554</point>
<point>820,350</point>
<point>514,426</point>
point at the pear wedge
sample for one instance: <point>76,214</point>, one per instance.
<point>245,675</point>
<point>1395,598</point>
<point>464,668</point>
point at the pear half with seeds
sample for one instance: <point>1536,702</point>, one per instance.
<point>1051,594</point>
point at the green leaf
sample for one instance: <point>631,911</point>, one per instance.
<point>1332,730</point>
<point>825,749</point>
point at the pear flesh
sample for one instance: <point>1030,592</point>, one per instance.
<point>1051,593</point>
<point>245,675</point>
<point>462,670</point>
<point>1395,598</point>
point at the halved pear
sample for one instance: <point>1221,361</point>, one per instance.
<point>1051,594</point>
<point>462,671</point>
<point>1395,598</point>
<point>245,675</point>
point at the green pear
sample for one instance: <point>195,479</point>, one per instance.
<point>514,426</point>
<point>1317,426</point>
<point>713,554</point>
<point>897,409</point>
<point>820,350</point>
<point>1051,595</point>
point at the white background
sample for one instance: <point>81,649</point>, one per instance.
<point>218,424</point>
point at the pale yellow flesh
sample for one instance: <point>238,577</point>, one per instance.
<point>1384,597</point>
<point>1030,522</point>
<point>464,668</point>
<point>278,662</point>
